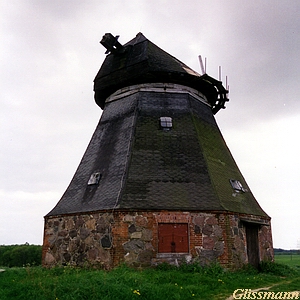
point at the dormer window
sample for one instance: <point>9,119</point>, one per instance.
<point>237,186</point>
<point>94,179</point>
<point>165,123</point>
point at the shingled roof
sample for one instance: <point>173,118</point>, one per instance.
<point>141,61</point>
<point>143,167</point>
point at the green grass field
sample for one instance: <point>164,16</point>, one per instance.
<point>289,260</point>
<point>186,282</point>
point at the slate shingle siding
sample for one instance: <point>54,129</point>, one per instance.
<point>167,168</point>
<point>107,153</point>
<point>145,167</point>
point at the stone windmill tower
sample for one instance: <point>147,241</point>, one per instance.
<point>157,182</point>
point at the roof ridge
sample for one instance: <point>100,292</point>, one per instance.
<point>139,38</point>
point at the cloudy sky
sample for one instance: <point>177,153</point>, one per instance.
<point>50,54</point>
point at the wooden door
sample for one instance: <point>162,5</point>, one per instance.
<point>252,244</point>
<point>173,238</point>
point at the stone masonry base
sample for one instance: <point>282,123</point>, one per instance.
<point>107,239</point>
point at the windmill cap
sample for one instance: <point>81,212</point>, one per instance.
<point>140,61</point>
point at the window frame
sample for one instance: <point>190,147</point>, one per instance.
<point>94,178</point>
<point>166,123</point>
<point>237,185</point>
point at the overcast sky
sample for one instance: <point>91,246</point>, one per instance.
<point>50,54</point>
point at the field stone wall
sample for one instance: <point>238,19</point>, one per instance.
<point>107,239</point>
<point>239,242</point>
<point>78,240</point>
<point>210,245</point>
<point>138,246</point>
<point>266,243</point>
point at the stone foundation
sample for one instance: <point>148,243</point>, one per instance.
<point>78,240</point>
<point>106,239</point>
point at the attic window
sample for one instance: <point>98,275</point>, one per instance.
<point>94,179</point>
<point>165,123</point>
<point>237,186</point>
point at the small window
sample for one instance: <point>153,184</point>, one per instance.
<point>173,238</point>
<point>166,123</point>
<point>237,186</point>
<point>94,179</point>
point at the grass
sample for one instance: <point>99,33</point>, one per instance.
<point>292,261</point>
<point>289,260</point>
<point>165,282</point>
